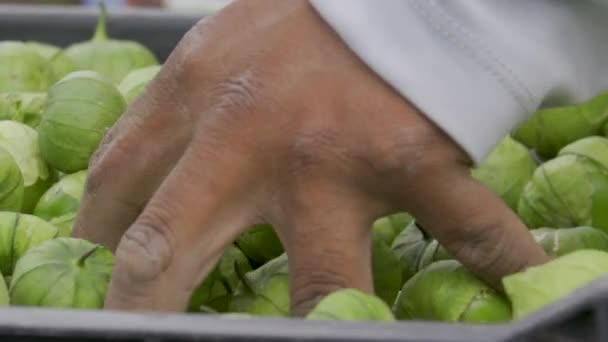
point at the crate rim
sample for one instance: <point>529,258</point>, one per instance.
<point>72,322</point>
<point>69,12</point>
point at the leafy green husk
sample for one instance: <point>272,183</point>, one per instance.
<point>21,141</point>
<point>539,286</point>
<point>433,252</point>
<point>568,191</point>
<point>388,227</point>
<point>63,197</point>
<point>351,305</point>
<point>594,148</point>
<point>22,69</point>
<point>60,203</point>
<point>63,272</point>
<point>22,107</point>
<point>60,64</point>
<point>11,183</point>
<point>559,242</point>
<point>506,170</point>
<point>385,270</point>
<point>409,247</point>
<point>446,291</point>
<point>215,291</point>
<point>4,298</point>
<point>549,130</point>
<point>136,82</point>
<point>64,223</point>
<point>80,109</point>
<point>260,244</point>
<point>32,194</point>
<point>18,233</point>
<point>264,291</point>
<point>112,58</point>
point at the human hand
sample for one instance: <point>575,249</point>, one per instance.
<point>263,115</point>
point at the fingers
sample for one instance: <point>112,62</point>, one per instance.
<point>200,208</point>
<point>130,164</point>
<point>473,224</point>
<point>327,239</point>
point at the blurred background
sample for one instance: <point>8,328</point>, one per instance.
<point>174,5</point>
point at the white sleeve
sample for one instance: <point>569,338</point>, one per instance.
<point>477,68</point>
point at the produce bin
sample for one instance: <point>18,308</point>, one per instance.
<point>583,316</point>
<point>160,31</point>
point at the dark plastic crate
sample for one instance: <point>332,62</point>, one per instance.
<point>580,317</point>
<point>583,316</point>
<point>63,25</point>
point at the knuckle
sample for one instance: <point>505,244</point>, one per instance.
<point>187,49</point>
<point>315,285</point>
<point>145,252</point>
<point>238,92</point>
<point>310,149</point>
<point>482,245</point>
<point>402,154</point>
<point>313,281</point>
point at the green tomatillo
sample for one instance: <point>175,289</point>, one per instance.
<point>112,58</point>
<point>80,109</point>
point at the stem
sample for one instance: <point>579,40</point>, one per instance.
<point>87,254</point>
<point>101,32</point>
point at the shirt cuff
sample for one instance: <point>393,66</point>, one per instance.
<point>437,65</point>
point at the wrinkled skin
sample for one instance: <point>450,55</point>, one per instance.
<point>279,123</point>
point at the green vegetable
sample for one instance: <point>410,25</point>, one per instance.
<point>22,107</point>
<point>264,291</point>
<point>446,291</point>
<point>60,64</point>
<point>11,183</point>
<point>433,252</point>
<point>558,242</point>
<point>507,170</point>
<point>112,58</point>
<point>551,129</point>
<point>400,221</point>
<point>388,227</point>
<point>21,142</point>
<point>32,194</point>
<point>568,191</point>
<point>136,82</point>
<point>538,286</point>
<point>260,244</point>
<point>409,247</point>
<point>385,270</point>
<point>351,305</point>
<point>64,223</point>
<point>22,69</point>
<point>62,201</point>
<point>4,299</point>
<point>216,289</point>
<point>80,109</point>
<point>63,272</point>
<point>594,148</point>
<point>18,233</point>
<point>414,250</point>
